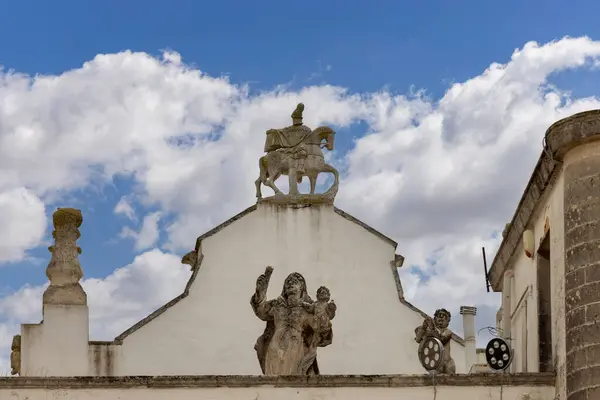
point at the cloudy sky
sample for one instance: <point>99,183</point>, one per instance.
<point>150,118</point>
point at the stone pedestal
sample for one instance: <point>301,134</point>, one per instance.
<point>59,345</point>
<point>574,140</point>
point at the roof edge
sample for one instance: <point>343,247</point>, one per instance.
<point>560,137</point>
<point>223,225</point>
<point>412,307</point>
<point>366,226</point>
<point>119,339</point>
<point>542,177</point>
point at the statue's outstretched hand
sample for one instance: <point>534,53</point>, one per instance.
<point>262,283</point>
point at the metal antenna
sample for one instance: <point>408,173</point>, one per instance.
<point>487,280</point>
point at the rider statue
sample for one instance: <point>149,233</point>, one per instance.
<point>291,141</point>
<point>296,151</point>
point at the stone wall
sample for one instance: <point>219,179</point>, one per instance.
<point>562,200</point>
<point>574,142</point>
<point>582,268</point>
<point>460,387</point>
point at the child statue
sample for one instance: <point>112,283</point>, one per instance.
<point>438,328</point>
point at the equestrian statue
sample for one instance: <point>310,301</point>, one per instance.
<point>295,151</point>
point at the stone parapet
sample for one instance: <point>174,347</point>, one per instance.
<point>232,381</point>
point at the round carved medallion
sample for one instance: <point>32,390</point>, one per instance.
<point>498,354</point>
<point>431,353</point>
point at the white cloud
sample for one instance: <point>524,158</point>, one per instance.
<point>148,234</point>
<point>124,207</point>
<point>438,176</point>
<point>116,302</point>
<point>22,223</point>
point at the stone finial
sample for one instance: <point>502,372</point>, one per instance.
<point>64,270</point>
<point>15,355</point>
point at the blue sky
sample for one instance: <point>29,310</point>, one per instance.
<point>393,46</point>
<point>397,43</point>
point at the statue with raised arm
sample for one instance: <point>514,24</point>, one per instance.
<point>438,328</point>
<point>295,326</point>
<point>296,151</point>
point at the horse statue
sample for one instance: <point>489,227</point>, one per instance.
<point>295,151</point>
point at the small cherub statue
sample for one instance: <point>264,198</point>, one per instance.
<point>323,311</point>
<point>438,328</point>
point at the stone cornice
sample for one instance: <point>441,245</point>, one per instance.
<point>572,131</point>
<point>560,137</point>
<point>211,381</point>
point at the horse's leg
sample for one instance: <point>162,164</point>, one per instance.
<point>293,182</point>
<point>313,183</point>
<point>273,175</point>
<point>336,178</point>
<point>257,183</point>
<point>261,177</point>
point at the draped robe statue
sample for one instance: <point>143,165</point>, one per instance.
<point>295,326</point>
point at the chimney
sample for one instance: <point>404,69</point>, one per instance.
<point>468,314</point>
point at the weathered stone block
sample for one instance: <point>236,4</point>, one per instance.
<point>582,255</point>
<point>583,233</point>
<point>577,214</point>
<point>583,295</point>
<point>575,318</point>
<point>592,273</point>
<point>592,315</point>
<point>580,380</point>
<point>577,380</point>
<point>593,354</point>
<point>577,359</point>
<point>579,191</point>
<point>573,339</point>
<point>574,279</point>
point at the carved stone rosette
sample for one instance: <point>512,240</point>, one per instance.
<point>64,270</point>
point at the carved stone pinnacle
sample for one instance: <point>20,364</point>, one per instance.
<point>64,270</point>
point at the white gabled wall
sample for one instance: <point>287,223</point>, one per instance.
<point>213,330</point>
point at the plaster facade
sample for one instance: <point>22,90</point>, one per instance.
<point>211,328</point>
<point>329,250</point>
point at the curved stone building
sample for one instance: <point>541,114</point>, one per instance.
<point>548,265</point>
